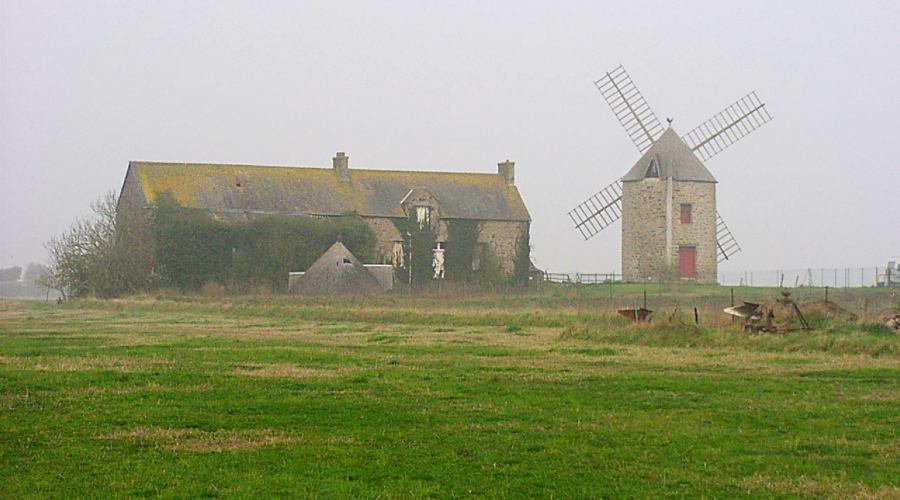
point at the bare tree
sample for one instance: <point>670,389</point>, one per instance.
<point>95,257</point>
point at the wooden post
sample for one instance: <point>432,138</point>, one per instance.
<point>732,305</point>
<point>826,294</point>
<point>696,316</point>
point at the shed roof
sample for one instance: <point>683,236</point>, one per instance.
<point>673,159</point>
<point>318,191</point>
<point>337,271</point>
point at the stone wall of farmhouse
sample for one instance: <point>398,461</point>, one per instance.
<point>644,254</point>
<point>500,236</point>
<point>386,238</point>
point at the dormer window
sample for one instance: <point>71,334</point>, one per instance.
<point>652,169</point>
<point>423,216</point>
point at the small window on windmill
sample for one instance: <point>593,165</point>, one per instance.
<point>423,216</point>
<point>686,209</point>
<point>652,169</point>
<point>346,261</point>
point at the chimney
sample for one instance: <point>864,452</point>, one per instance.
<point>341,163</point>
<point>507,170</point>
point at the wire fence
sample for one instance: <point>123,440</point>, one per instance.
<point>581,278</point>
<point>835,277</point>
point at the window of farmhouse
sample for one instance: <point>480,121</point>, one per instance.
<point>423,215</point>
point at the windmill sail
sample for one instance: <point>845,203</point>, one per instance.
<point>728,126</point>
<point>725,242</point>
<point>630,108</point>
<point>599,211</point>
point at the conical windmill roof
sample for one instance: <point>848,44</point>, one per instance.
<point>337,271</point>
<point>673,159</point>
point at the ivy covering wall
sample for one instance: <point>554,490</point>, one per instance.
<point>418,251</point>
<point>522,264</point>
<point>461,246</point>
<point>193,249</point>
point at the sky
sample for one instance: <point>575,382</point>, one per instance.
<point>87,86</point>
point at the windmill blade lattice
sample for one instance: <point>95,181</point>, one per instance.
<point>599,211</point>
<point>728,126</point>
<point>630,108</point>
<point>725,242</point>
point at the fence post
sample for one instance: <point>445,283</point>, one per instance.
<point>732,305</point>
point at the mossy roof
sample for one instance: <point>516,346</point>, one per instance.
<point>318,191</point>
<point>674,159</point>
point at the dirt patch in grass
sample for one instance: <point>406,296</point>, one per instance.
<point>287,370</point>
<point>886,395</point>
<point>811,488</point>
<point>82,363</point>
<point>196,440</point>
<point>150,387</point>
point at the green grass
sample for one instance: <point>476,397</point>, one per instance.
<point>546,394</point>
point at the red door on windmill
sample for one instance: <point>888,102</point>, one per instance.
<point>687,261</point>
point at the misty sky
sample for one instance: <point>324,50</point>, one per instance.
<point>87,86</point>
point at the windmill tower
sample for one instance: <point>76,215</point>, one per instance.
<point>667,200</point>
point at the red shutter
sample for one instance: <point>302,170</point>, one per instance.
<point>686,213</point>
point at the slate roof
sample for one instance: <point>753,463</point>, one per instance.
<point>318,191</point>
<point>673,159</point>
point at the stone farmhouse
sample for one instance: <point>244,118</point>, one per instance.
<point>378,196</point>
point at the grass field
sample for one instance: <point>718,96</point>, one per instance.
<point>546,394</point>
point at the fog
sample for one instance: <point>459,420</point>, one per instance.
<point>87,86</point>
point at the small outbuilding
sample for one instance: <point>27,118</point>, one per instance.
<point>336,272</point>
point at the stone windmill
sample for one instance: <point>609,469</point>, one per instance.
<point>667,200</point>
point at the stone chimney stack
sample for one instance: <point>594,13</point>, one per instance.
<point>507,170</point>
<point>341,163</point>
